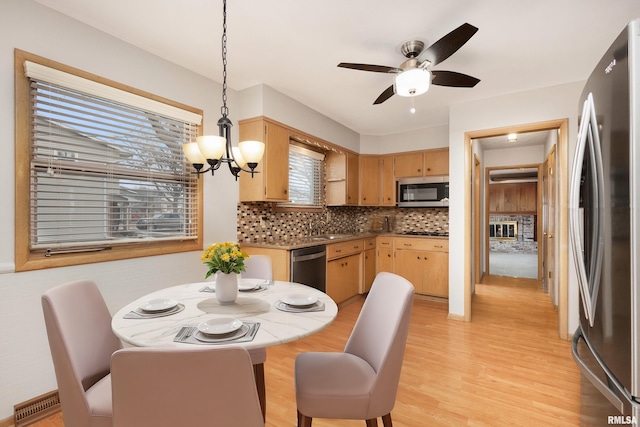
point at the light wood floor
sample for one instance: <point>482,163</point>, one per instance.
<point>505,368</point>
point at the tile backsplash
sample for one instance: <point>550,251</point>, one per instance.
<point>264,222</point>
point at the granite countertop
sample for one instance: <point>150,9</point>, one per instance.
<point>303,242</point>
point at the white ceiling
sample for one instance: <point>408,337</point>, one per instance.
<point>294,46</point>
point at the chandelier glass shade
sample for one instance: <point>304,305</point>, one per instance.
<point>214,150</point>
<point>412,82</point>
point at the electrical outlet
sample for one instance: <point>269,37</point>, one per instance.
<point>263,222</point>
<point>328,217</point>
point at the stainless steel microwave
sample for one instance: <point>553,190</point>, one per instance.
<point>423,192</point>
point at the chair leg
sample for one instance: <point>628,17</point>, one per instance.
<point>304,421</point>
<point>373,422</point>
<point>258,373</point>
<point>386,420</point>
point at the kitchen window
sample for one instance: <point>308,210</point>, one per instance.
<point>101,171</point>
<point>306,177</point>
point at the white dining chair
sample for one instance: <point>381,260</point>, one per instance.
<point>362,381</point>
<point>78,327</point>
<point>259,267</point>
<point>169,387</point>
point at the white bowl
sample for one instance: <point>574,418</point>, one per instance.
<point>220,326</point>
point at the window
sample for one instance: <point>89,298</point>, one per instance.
<point>106,175</point>
<point>305,177</point>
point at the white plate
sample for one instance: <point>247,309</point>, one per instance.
<point>158,304</point>
<point>299,300</point>
<point>250,284</point>
<point>223,325</point>
<point>239,333</point>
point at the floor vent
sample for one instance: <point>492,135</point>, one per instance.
<point>27,413</point>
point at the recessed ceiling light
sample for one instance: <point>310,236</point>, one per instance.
<point>512,137</point>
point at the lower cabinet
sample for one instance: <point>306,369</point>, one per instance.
<point>423,262</point>
<point>369,270</point>
<point>384,261</point>
<point>343,277</point>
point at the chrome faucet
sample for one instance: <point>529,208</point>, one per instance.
<point>317,227</point>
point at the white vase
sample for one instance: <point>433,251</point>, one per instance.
<point>226,287</point>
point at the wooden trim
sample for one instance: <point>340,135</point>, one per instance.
<point>26,260</point>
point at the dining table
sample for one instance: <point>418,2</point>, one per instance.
<point>266,313</point>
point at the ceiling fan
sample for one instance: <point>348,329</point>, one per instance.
<point>414,76</point>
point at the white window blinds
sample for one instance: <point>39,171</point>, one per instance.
<point>104,171</point>
<point>305,176</point>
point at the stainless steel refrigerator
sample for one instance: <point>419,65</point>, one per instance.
<point>604,228</point>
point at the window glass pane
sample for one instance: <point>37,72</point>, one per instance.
<point>305,177</point>
<point>104,172</point>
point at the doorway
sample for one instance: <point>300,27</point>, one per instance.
<point>558,261</point>
<point>512,209</point>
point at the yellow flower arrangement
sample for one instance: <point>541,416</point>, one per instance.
<point>225,257</point>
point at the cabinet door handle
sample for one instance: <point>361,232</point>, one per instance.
<point>408,244</point>
<point>438,246</point>
<point>418,257</point>
<point>389,255</point>
<point>356,247</point>
<point>338,250</point>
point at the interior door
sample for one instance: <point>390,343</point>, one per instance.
<point>549,225</point>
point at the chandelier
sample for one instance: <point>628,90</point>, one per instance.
<point>217,149</point>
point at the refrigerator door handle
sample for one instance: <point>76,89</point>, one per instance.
<point>588,139</point>
<point>593,379</point>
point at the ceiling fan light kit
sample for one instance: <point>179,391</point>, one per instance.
<point>412,82</point>
<point>414,76</point>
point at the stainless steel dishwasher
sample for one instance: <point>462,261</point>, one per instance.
<point>309,266</point>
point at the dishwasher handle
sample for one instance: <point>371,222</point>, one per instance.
<point>309,257</point>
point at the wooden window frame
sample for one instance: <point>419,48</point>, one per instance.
<point>25,258</point>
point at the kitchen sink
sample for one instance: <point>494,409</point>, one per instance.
<point>331,236</point>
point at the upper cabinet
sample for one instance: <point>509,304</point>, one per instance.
<point>377,184</point>
<point>423,163</point>
<point>370,180</point>
<point>513,198</point>
<point>272,183</point>
<point>342,178</point>
<point>388,185</point>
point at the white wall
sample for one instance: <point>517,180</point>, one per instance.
<point>533,106</point>
<point>422,139</point>
<point>25,363</point>
<point>262,100</point>
<point>529,155</point>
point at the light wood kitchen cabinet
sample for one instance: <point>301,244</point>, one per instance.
<point>272,183</point>
<point>343,277</point>
<point>368,265</point>
<point>424,163</point>
<point>436,162</point>
<point>388,182</point>
<point>342,178</point>
<point>384,256</point>
<point>370,188</point>
<point>280,263</point>
<point>344,269</point>
<point>408,165</point>
<point>425,263</point>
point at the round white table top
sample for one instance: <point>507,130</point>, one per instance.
<point>276,326</point>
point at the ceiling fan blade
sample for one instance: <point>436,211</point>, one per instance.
<point>369,67</point>
<point>448,45</point>
<point>388,93</point>
<point>451,78</point>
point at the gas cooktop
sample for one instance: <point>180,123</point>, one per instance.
<point>426,233</point>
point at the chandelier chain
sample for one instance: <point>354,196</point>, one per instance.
<point>224,110</point>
